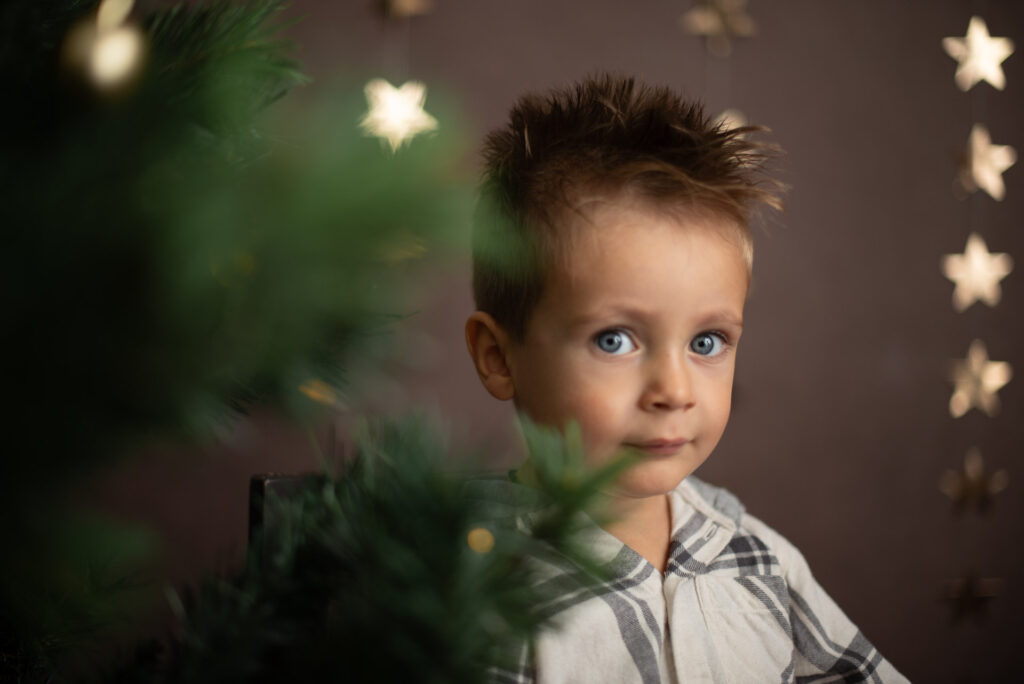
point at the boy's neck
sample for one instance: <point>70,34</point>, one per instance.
<point>644,525</point>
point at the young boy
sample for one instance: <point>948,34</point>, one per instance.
<point>610,274</point>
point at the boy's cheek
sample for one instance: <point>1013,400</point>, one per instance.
<point>602,429</point>
<point>719,417</point>
<point>597,419</point>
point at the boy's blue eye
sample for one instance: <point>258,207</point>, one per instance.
<point>614,342</point>
<point>707,344</point>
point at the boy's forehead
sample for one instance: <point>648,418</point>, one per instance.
<point>598,221</point>
<point>616,247</point>
<point>657,286</point>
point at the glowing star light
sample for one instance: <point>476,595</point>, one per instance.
<point>977,273</point>
<point>969,596</point>
<point>115,56</point>
<point>112,13</point>
<point>719,21</point>
<point>976,380</point>
<point>404,9</point>
<point>984,163</point>
<point>396,114</point>
<point>108,48</point>
<point>979,56</point>
<point>972,487</point>
<point>731,118</point>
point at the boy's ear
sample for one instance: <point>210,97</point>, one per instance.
<point>488,345</point>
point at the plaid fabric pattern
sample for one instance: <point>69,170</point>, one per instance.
<point>737,603</point>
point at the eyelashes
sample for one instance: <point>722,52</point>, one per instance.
<point>708,344</point>
<point>617,342</point>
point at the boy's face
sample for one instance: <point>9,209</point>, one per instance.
<point>635,339</point>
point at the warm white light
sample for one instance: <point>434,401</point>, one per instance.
<point>972,486</point>
<point>404,9</point>
<point>731,118</point>
<point>977,273</point>
<point>985,163</point>
<point>115,56</point>
<point>976,381</point>
<point>112,13</point>
<point>718,21</point>
<point>979,56</point>
<point>396,114</point>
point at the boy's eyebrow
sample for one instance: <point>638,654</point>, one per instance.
<point>724,315</point>
<point>714,317</point>
<point>607,312</point>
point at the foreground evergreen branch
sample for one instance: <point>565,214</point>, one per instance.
<point>376,577</point>
<point>166,263</point>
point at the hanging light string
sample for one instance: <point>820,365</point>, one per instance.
<point>396,114</point>
<point>976,274</point>
<point>719,23</point>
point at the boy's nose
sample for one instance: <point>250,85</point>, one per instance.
<point>669,386</point>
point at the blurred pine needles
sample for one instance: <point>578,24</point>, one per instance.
<point>173,254</point>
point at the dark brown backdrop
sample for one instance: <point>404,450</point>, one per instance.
<point>840,430</point>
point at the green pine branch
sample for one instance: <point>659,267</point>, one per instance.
<point>372,578</point>
<point>166,263</point>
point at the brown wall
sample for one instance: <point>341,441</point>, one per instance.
<point>840,430</point>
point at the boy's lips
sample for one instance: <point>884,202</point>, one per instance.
<point>660,447</point>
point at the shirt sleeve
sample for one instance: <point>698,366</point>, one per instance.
<point>828,646</point>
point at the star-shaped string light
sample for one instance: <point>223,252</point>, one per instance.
<point>979,56</point>
<point>719,21</point>
<point>969,596</point>
<point>982,164</point>
<point>403,9</point>
<point>976,380</point>
<point>396,114</point>
<point>107,47</point>
<point>972,487</point>
<point>731,118</point>
<point>977,273</point>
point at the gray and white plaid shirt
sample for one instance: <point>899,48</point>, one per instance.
<point>736,603</point>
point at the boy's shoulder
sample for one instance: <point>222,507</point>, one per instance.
<point>696,491</point>
<point>723,563</point>
<point>753,544</point>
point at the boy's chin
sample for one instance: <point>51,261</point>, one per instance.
<point>645,480</point>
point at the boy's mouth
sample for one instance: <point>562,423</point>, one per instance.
<point>659,447</point>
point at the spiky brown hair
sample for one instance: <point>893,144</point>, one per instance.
<point>610,136</point>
